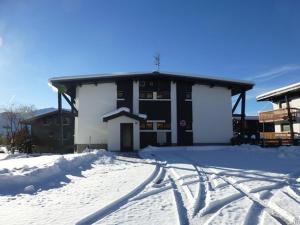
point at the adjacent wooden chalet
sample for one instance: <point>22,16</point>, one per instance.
<point>285,115</point>
<point>129,111</point>
<point>45,129</point>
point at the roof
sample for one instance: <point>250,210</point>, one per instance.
<point>292,89</point>
<point>70,82</point>
<point>40,113</point>
<point>123,111</point>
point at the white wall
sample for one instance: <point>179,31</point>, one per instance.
<point>92,102</point>
<point>173,113</point>
<point>114,133</point>
<point>212,114</point>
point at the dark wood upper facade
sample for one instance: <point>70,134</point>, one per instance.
<point>44,131</point>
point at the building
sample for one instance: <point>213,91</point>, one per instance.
<point>129,111</point>
<point>285,114</point>
<point>252,126</point>
<point>44,131</point>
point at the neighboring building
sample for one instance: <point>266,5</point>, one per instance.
<point>44,130</point>
<point>285,114</point>
<point>252,126</point>
<point>130,111</point>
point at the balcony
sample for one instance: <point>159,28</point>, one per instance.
<point>279,138</point>
<point>278,115</point>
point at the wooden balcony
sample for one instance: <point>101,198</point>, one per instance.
<point>275,135</point>
<point>278,115</point>
<point>278,138</point>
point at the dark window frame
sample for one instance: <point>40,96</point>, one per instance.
<point>163,126</point>
<point>145,127</point>
<point>120,94</point>
<point>146,96</point>
<point>164,95</point>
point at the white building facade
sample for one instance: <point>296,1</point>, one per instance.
<point>133,110</point>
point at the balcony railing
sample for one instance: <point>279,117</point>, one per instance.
<point>278,115</point>
<point>279,138</point>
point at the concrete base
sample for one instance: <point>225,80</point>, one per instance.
<point>81,147</point>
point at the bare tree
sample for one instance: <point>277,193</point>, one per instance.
<point>14,115</point>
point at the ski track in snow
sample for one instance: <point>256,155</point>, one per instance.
<point>189,192</point>
<point>204,208</point>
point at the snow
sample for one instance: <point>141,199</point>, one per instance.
<point>18,174</point>
<point>168,185</point>
<point>122,109</point>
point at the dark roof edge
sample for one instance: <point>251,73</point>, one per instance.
<point>32,118</point>
<point>141,74</point>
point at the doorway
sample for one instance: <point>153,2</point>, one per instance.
<point>126,136</point>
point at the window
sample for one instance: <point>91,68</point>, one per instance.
<point>151,83</point>
<point>120,95</point>
<point>188,95</point>
<point>163,95</point>
<point>66,135</point>
<point>142,83</point>
<point>163,126</point>
<point>146,126</point>
<point>146,95</point>
<point>66,121</point>
<point>285,127</point>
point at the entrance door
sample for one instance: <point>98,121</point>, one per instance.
<point>126,136</point>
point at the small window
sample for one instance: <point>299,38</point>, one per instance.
<point>285,127</point>
<point>142,83</point>
<point>146,126</point>
<point>188,95</point>
<point>163,95</point>
<point>66,121</point>
<point>121,95</point>
<point>151,83</point>
<point>146,95</point>
<point>66,135</point>
<point>163,126</point>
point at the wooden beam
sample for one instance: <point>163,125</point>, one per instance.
<point>60,120</point>
<point>243,114</point>
<point>72,104</point>
<point>290,118</point>
<point>236,103</point>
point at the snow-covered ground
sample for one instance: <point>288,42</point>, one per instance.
<point>172,185</point>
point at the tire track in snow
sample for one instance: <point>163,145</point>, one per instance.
<point>117,204</point>
<point>203,197</point>
<point>271,209</point>
<point>181,210</point>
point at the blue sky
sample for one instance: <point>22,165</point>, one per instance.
<point>254,40</point>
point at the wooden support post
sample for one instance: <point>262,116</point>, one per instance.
<point>72,104</point>
<point>290,118</point>
<point>236,103</point>
<point>243,114</point>
<point>60,120</point>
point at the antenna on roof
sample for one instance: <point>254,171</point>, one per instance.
<point>157,61</point>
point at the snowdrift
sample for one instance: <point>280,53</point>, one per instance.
<point>32,174</point>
